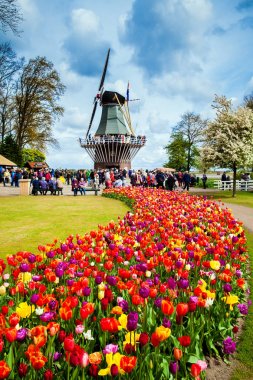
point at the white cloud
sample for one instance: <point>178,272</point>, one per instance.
<point>84,21</point>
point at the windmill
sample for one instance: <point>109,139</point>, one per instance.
<point>114,143</point>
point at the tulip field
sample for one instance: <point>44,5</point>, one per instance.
<point>149,296</point>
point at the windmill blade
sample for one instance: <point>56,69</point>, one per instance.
<point>104,71</point>
<point>99,89</point>
<point>92,117</point>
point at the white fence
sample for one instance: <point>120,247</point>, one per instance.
<point>228,185</point>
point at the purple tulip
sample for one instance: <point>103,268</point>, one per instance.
<point>98,280</point>
<point>86,291</point>
<point>24,267</point>
<point>37,278</point>
<point>111,280</point>
<point>174,367</point>
<point>243,308</point>
<point>227,288</point>
<point>64,247</point>
<point>31,258</point>
<point>238,273</point>
<point>229,346</point>
<point>34,298</point>
<point>52,304</point>
<point>123,304</point>
<point>166,322</point>
<point>47,316</point>
<point>235,239</point>
<point>160,246</point>
<point>171,283</point>
<point>57,356</point>
<point>59,271</point>
<point>132,321</point>
<point>21,335</point>
<point>158,302</point>
<point>50,254</point>
<point>70,282</point>
<point>144,292</point>
<point>183,283</point>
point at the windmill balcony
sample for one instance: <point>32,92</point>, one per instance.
<point>121,139</point>
<point>112,150</point>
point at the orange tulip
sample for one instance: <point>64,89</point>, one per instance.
<point>127,363</point>
<point>4,369</point>
<point>95,358</point>
<point>53,328</point>
<point>177,353</point>
<point>11,334</point>
<point>65,313</point>
<point>167,307</point>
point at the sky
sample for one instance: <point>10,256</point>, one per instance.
<point>176,55</point>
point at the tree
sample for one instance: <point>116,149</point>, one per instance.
<point>177,152</point>
<point>248,101</point>
<point>38,89</point>
<point>33,155</point>
<point>9,66</point>
<point>10,16</point>
<point>229,138</point>
<point>10,150</point>
<point>191,127</point>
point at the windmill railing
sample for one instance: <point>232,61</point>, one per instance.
<point>120,139</point>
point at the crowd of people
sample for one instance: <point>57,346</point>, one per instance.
<point>51,181</point>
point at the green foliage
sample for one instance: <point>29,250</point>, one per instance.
<point>245,346</point>
<point>32,155</point>
<point>36,101</point>
<point>10,150</point>
<point>128,201</point>
<point>29,100</point>
<point>183,148</point>
<point>177,152</point>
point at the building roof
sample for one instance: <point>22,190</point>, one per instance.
<point>5,162</point>
<point>36,165</point>
<point>112,121</point>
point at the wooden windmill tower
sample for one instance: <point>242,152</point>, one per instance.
<point>114,144</point>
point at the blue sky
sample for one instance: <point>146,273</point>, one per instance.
<point>176,54</point>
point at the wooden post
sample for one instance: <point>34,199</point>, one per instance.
<point>24,185</point>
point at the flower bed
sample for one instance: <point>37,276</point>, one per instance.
<point>147,297</point>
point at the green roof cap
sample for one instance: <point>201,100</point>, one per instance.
<point>112,121</point>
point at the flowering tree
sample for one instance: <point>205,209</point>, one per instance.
<point>229,137</point>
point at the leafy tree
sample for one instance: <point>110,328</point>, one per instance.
<point>248,101</point>
<point>33,155</point>
<point>9,66</point>
<point>36,102</point>
<point>10,16</point>
<point>229,137</point>
<point>10,150</point>
<point>191,127</point>
<point>177,152</point>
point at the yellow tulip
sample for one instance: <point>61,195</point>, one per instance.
<point>215,264</point>
<point>24,310</point>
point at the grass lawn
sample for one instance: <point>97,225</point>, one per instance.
<point>243,198</point>
<point>27,222</point>
<point>244,355</point>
